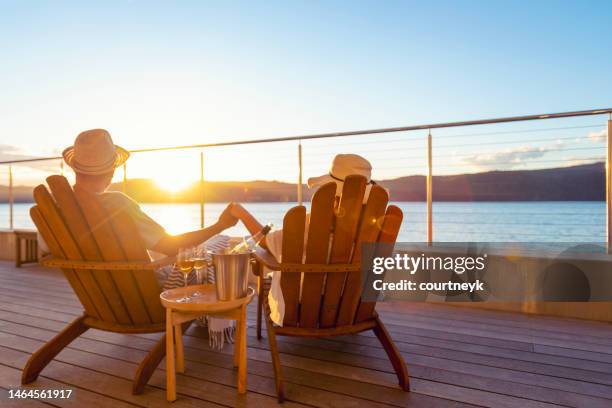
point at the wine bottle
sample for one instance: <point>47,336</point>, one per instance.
<point>251,243</point>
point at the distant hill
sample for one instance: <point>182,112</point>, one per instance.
<point>577,183</point>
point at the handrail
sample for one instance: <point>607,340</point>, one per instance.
<point>559,115</point>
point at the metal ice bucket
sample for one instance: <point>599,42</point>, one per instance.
<point>231,274</point>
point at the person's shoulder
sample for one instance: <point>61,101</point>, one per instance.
<point>115,196</point>
<point>114,199</point>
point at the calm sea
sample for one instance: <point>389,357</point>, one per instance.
<point>502,222</point>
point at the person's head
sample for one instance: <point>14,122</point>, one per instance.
<point>345,165</point>
<point>94,158</point>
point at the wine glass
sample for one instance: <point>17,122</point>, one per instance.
<point>200,264</point>
<point>185,263</point>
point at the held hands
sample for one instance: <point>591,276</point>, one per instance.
<point>227,219</point>
<point>238,211</point>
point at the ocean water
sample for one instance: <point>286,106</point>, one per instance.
<point>456,222</point>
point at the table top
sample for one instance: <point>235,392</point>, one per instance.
<point>206,301</point>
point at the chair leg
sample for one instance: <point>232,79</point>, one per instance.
<point>278,374</point>
<point>259,303</point>
<point>148,365</point>
<point>399,365</point>
<point>150,362</point>
<point>43,356</point>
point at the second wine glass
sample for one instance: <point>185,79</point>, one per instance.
<point>185,264</point>
<point>200,265</point>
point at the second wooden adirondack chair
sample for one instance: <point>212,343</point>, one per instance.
<point>321,283</point>
<point>107,265</point>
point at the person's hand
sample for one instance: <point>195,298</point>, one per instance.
<point>238,211</point>
<point>227,219</point>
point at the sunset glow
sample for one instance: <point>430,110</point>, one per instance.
<point>172,183</point>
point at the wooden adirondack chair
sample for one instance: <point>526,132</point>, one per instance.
<point>321,283</point>
<point>105,261</point>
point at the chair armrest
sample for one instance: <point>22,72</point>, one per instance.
<point>91,265</point>
<point>320,268</point>
<point>266,259</point>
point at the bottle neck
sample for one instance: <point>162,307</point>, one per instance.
<point>261,234</point>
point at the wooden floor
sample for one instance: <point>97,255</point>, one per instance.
<point>456,357</point>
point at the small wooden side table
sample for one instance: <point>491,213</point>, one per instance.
<point>206,303</point>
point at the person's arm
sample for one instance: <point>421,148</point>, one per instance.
<point>170,244</point>
<point>249,221</point>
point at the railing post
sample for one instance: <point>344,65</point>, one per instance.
<point>10,196</point>
<point>609,186</point>
<point>201,189</point>
<point>299,186</point>
<point>124,186</point>
<point>429,190</point>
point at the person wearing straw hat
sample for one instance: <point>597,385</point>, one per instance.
<point>343,165</point>
<point>94,158</point>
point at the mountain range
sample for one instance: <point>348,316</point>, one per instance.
<point>577,183</point>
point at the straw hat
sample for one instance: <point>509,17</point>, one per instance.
<point>345,165</point>
<point>94,153</point>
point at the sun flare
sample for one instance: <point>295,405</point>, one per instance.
<point>172,183</point>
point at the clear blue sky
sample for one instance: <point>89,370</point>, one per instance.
<point>164,73</point>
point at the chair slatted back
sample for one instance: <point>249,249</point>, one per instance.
<point>327,300</point>
<point>77,227</point>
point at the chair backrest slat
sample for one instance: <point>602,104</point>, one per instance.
<point>76,223</point>
<point>50,213</point>
<point>388,234</point>
<point>371,221</point>
<point>58,252</point>
<point>345,231</point>
<point>293,249</point>
<point>317,250</point>
<point>102,229</point>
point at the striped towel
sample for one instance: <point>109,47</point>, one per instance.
<point>219,330</point>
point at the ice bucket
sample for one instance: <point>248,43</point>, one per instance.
<point>231,274</point>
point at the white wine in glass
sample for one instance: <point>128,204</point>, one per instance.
<point>185,264</point>
<point>199,264</point>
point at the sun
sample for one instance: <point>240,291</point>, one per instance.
<point>170,171</point>
<point>172,183</point>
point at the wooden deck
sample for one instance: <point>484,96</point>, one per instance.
<point>456,357</point>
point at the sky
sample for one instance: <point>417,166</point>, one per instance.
<point>175,73</point>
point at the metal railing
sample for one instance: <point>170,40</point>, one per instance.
<point>429,157</point>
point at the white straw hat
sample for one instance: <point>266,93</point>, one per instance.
<point>94,153</point>
<point>345,165</point>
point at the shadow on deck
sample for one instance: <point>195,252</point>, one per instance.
<point>455,356</point>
